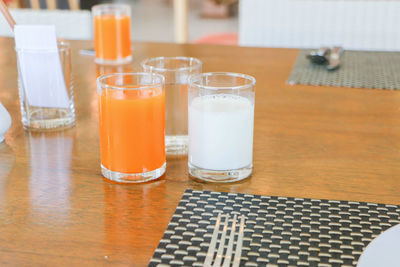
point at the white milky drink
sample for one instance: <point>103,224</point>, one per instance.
<point>220,126</point>
<point>221,132</point>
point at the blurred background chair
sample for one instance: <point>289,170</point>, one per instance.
<point>219,39</point>
<point>219,9</point>
<point>214,9</point>
<point>72,24</point>
<point>353,24</point>
<point>49,4</point>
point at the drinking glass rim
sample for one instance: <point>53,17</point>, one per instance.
<point>112,5</point>
<point>145,64</point>
<point>196,77</point>
<point>102,85</point>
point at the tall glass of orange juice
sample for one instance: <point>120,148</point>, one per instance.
<point>132,126</point>
<point>112,33</point>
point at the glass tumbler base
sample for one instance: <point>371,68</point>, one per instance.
<point>176,144</point>
<point>43,119</point>
<point>225,176</point>
<point>119,61</point>
<point>133,177</point>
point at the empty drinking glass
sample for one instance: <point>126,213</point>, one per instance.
<point>176,71</point>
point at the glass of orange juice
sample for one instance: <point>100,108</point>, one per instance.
<point>132,126</point>
<point>112,33</point>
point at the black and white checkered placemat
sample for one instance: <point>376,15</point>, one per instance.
<point>279,231</point>
<point>359,69</point>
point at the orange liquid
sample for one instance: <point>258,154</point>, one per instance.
<point>112,37</point>
<point>132,130</point>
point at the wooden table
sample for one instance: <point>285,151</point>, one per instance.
<point>315,142</point>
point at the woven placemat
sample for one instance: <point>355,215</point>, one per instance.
<point>360,69</point>
<point>279,231</point>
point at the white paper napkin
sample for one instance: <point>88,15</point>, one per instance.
<point>40,66</point>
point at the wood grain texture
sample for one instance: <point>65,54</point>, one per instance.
<point>317,142</point>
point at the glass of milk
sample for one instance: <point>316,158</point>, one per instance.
<point>220,126</point>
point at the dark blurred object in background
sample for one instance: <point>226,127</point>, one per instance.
<point>225,2</point>
<point>219,8</point>
<point>57,4</point>
<point>87,4</point>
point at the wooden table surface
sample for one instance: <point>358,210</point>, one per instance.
<point>314,142</point>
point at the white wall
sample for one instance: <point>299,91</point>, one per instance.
<point>72,25</point>
<point>354,24</point>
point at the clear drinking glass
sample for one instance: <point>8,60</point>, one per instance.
<point>47,106</point>
<point>221,119</point>
<point>132,126</point>
<point>108,69</point>
<point>112,33</point>
<point>176,71</point>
